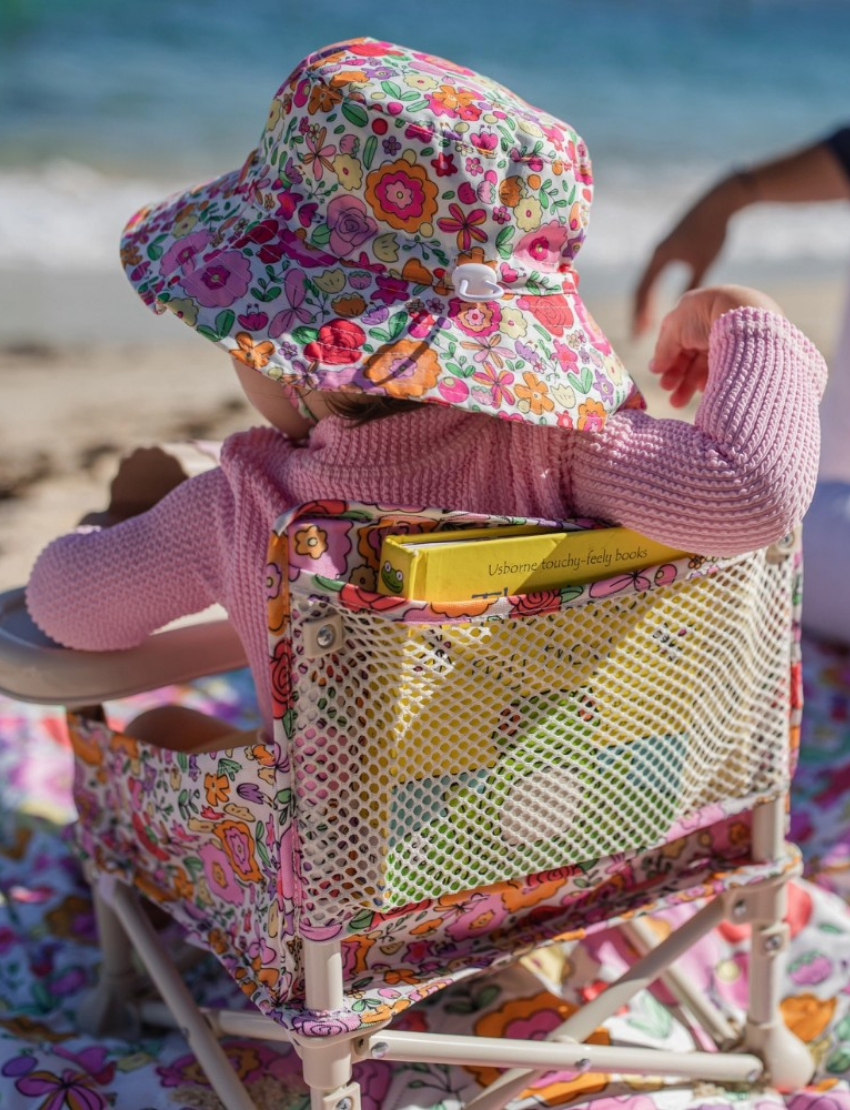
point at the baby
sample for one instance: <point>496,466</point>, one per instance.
<point>392,272</point>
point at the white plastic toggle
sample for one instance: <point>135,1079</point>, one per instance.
<point>473,281</point>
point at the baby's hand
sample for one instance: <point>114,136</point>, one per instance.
<point>681,351</point>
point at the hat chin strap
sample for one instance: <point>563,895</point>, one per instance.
<point>473,281</point>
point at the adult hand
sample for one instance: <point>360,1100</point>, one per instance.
<point>681,352</point>
<point>696,240</point>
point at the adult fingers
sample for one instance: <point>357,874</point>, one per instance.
<point>642,312</point>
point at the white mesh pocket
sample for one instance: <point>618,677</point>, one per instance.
<point>435,758</point>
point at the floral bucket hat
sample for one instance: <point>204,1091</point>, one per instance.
<point>406,227</point>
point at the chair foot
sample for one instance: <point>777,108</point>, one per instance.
<point>787,1060</point>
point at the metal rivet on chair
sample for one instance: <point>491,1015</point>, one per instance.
<point>380,1049</point>
<point>326,636</point>
<point>582,1065</point>
<point>739,909</point>
<point>344,1104</point>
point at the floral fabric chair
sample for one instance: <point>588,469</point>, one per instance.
<point>449,786</point>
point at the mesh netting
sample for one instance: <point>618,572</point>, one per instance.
<point>435,758</point>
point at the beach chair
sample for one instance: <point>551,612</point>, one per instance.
<point>448,786</point>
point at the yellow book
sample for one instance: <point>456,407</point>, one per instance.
<point>520,559</point>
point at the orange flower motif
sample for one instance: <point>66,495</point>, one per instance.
<point>349,306</point>
<point>182,885</point>
<point>251,353</point>
<point>414,271</point>
<point>510,191</point>
<point>349,77</point>
<point>452,99</point>
<point>218,789</point>
<point>311,541</point>
<point>277,585</point>
<point>535,394</point>
<point>806,1015</point>
<point>403,369</point>
<point>402,194</point>
<point>532,1018</point>
<point>240,848</point>
<point>323,99</point>
<point>591,415</point>
<point>130,255</point>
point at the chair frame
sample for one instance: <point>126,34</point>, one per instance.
<point>33,670</point>
<point>764,1048</point>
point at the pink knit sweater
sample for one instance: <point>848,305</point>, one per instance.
<point>737,479</point>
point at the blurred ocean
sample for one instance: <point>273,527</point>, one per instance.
<point>105,104</point>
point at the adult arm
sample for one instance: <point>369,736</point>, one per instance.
<point>107,589</point>
<point>743,474</point>
<point>820,172</point>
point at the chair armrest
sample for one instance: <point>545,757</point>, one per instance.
<point>35,669</point>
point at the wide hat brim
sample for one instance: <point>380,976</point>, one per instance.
<point>354,296</point>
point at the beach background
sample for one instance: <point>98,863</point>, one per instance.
<point>105,106</point>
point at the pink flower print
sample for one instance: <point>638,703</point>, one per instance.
<point>220,281</point>
<point>287,202</point>
<point>485,139</point>
<point>181,254</point>
<point>421,323</point>
<point>307,213</point>
<point>348,144</point>
<point>219,873</point>
<point>444,164</point>
<point>466,192</point>
<point>474,167</point>
<point>542,247</point>
<point>566,356</point>
<point>488,346</point>
<point>253,320</point>
<point>417,131</point>
<point>476,318</point>
<point>498,382</point>
<point>554,135</point>
<point>501,214</point>
<point>350,225</point>
<point>389,290</point>
<point>295,289</point>
<point>486,191</point>
<point>580,162</point>
<point>466,226</point>
<point>318,155</point>
<point>71,1088</point>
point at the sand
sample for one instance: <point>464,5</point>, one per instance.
<point>67,412</point>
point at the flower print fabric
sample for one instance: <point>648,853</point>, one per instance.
<point>329,258</point>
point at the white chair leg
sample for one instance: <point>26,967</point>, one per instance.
<point>786,1058</point>
<point>326,1063</point>
<point>108,1008</point>
<point>193,1025</point>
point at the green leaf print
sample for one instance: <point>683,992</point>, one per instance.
<point>369,151</point>
<point>305,335</point>
<point>397,324</point>
<point>355,114</point>
<point>503,241</point>
<point>224,322</point>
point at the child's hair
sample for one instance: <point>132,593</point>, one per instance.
<point>363,408</point>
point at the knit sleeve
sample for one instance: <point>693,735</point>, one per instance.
<point>743,474</point>
<point>107,589</point>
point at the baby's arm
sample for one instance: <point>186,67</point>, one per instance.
<point>102,590</point>
<point>743,474</point>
